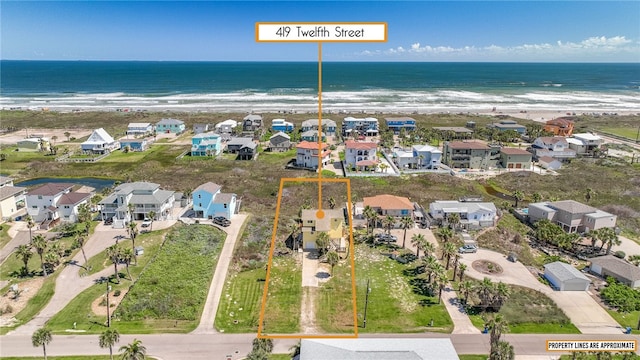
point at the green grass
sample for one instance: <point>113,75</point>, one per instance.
<point>626,319</point>
<point>35,304</point>
<point>473,357</point>
<point>629,133</point>
<point>279,357</point>
<point>282,314</point>
<point>531,312</point>
<point>4,234</point>
<point>393,306</point>
<point>239,308</point>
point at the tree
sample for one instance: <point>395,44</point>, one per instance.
<point>496,326</point>
<point>40,244</point>
<point>388,223</point>
<point>332,259</point>
<point>371,215</point>
<point>152,218</point>
<point>79,242</point>
<point>445,233</point>
<point>332,202</point>
<point>462,269</point>
<point>126,257</point>
<point>517,196</point>
<point>609,238</point>
<point>441,280</point>
<point>484,290</point>
<point>418,240</point>
<point>428,248</point>
<point>133,233</point>
<point>454,220</point>
<point>406,223</point>
<point>466,287</point>
<point>114,253</point>
<point>265,345</point>
<point>589,194</point>
<point>133,351</point>
<point>430,264</point>
<point>536,197</point>
<point>68,135</point>
<point>109,338</point>
<point>448,250</point>
<point>456,258</point>
<point>42,337</point>
<point>322,243</point>
<point>30,225</point>
<point>24,253</point>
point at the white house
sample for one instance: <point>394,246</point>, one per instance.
<point>565,277</point>
<point>100,142</point>
<point>472,214</point>
<point>362,155</point>
<point>556,147</point>
<point>139,129</point>
<point>54,201</point>
<point>584,143</point>
<point>549,163</point>
<point>307,154</point>
<point>144,198</point>
<point>427,156</point>
<point>12,198</point>
<point>360,126</point>
<point>69,204</point>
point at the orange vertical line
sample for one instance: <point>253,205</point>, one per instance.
<point>320,125</point>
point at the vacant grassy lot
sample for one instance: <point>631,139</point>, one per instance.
<point>630,319</point>
<point>282,309</point>
<point>628,133</point>
<point>509,236</point>
<point>530,312</point>
<point>239,309</point>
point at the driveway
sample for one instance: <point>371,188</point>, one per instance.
<point>583,311</point>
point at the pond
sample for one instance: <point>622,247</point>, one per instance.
<point>497,193</point>
<point>96,183</point>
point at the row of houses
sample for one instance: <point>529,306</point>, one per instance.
<point>565,277</point>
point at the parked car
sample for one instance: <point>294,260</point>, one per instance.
<point>108,221</point>
<point>468,248</point>
<point>222,221</point>
<point>146,223</point>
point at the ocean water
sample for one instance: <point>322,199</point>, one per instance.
<point>293,86</point>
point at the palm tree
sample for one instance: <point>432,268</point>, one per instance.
<point>265,345</point>
<point>466,287</point>
<point>448,250</point>
<point>332,203</point>
<point>187,194</point>
<point>418,240</point>
<point>445,233</point>
<point>133,232</point>
<point>406,223</point>
<point>42,337</point>
<point>332,259</point>
<point>594,235</point>
<point>517,196</point>
<point>152,217</point>
<point>370,215</point>
<point>441,280</point>
<point>24,253</point>
<point>114,253</point>
<point>429,263</point>
<point>133,351</point>
<point>109,338</point>
<point>322,243</point>
<point>127,256</point>
<point>30,225</point>
<point>589,194</point>
<point>454,220</point>
<point>497,325</point>
<point>609,238</point>
<point>501,294</point>
<point>79,242</point>
<point>68,135</point>
<point>388,223</point>
<point>456,261</point>
<point>40,244</point>
<point>462,267</point>
<point>485,292</point>
<point>428,248</point>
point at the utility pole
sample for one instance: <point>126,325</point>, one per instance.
<point>366,304</point>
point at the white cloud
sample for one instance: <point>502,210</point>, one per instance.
<point>617,48</point>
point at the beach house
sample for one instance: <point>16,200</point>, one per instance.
<point>397,124</point>
<point>332,223</point>
<point>170,126</point>
<point>206,144</point>
<point>140,144</point>
<point>139,129</point>
<point>390,205</point>
<point>426,156</point>
<point>99,142</point>
<point>466,154</point>
<point>556,147</point>
<point>549,163</point>
<point>281,125</point>
<point>209,202</point>
<point>584,143</point>
<point>473,215</point>
<point>12,198</point>
<point>135,200</point>
<point>505,125</point>
<point>619,269</point>
<point>514,158</point>
<point>307,154</point>
<point>200,128</point>
<point>572,216</point>
<point>52,201</point>
<point>236,143</point>
<point>328,126</point>
<point>356,127</point>
<point>559,127</point>
<point>226,128</point>
<point>454,132</point>
<point>361,154</point>
<point>279,142</point>
<point>251,123</point>
<point>312,136</point>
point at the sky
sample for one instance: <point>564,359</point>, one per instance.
<point>462,31</point>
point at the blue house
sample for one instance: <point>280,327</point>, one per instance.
<point>505,125</point>
<point>397,124</point>
<point>281,125</point>
<point>206,144</point>
<point>209,202</point>
<point>170,126</point>
<point>134,144</point>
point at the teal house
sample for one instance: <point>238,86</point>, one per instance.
<point>209,202</point>
<point>170,126</point>
<point>206,144</point>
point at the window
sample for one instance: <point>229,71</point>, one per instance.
<point>225,206</point>
<point>34,207</point>
<point>39,197</point>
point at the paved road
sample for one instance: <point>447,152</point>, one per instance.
<point>585,313</point>
<point>208,317</point>
<point>218,346</point>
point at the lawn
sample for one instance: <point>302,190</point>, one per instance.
<point>630,319</point>
<point>473,357</point>
<point>629,133</point>
<point>282,309</point>
<point>393,306</point>
<point>239,308</point>
<point>530,312</point>
<point>4,234</point>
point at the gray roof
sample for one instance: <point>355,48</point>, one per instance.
<point>617,266</point>
<point>51,189</point>
<point>223,198</point>
<point>170,122</point>
<point>572,207</point>
<point>158,197</point>
<point>280,133</point>
<point>138,185</point>
<point>564,271</point>
<point>377,349</point>
<point>8,191</point>
<point>250,145</point>
<point>314,122</point>
<point>5,179</point>
<point>253,117</point>
<point>209,187</point>
<point>239,141</point>
<point>455,206</point>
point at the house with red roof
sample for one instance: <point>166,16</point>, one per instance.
<point>308,154</point>
<point>361,155</point>
<point>50,202</point>
<point>559,127</point>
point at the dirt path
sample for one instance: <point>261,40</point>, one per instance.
<point>308,311</point>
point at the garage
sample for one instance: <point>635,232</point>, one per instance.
<point>565,277</point>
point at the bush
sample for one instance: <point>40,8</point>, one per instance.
<point>117,292</point>
<point>620,254</point>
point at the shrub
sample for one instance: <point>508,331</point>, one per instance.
<point>620,254</point>
<point>117,292</point>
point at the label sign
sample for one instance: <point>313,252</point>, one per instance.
<point>326,32</point>
<point>592,345</point>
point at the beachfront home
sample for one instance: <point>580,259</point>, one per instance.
<point>251,123</point>
<point>427,156</point>
<point>307,154</point>
<point>236,143</point>
<point>619,269</point>
<point>514,158</point>
<point>279,142</point>
<point>332,223</point>
<point>454,132</point>
<point>571,215</point>
<point>312,136</point>
<point>170,126</point>
<point>356,127</point>
<point>209,202</point>
<point>34,144</point>
<point>248,151</point>
<point>206,144</point>
<point>361,155</point>
<point>473,215</point>
<point>559,127</point>
<point>134,201</point>
<point>12,198</point>
<point>585,143</point>
<point>140,129</point>
<point>100,142</point>
<point>226,128</point>
<point>466,154</point>
<point>390,205</point>
<point>400,123</point>
<point>549,163</point>
<point>140,144</point>
<point>202,128</point>
<point>281,125</point>
<point>505,125</point>
<point>328,126</point>
<point>556,147</point>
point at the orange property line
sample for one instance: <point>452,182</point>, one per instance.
<point>260,334</point>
